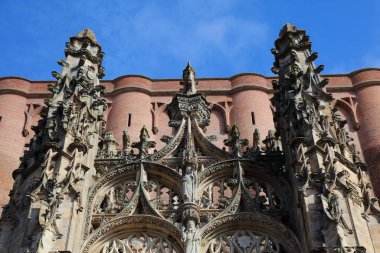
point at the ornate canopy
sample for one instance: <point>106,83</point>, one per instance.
<point>190,196</point>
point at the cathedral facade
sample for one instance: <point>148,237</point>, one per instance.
<point>246,164</point>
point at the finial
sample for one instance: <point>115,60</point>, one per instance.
<point>189,81</point>
<point>144,134</point>
<point>288,28</point>
<point>144,144</point>
<point>88,34</point>
<point>235,142</point>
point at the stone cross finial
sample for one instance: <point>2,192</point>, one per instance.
<point>188,80</point>
<point>144,144</point>
<point>235,142</point>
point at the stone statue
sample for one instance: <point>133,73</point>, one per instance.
<point>325,125</point>
<point>126,140</point>
<point>331,206</point>
<point>189,80</point>
<point>256,139</point>
<point>188,185</point>
<point>191,237</point>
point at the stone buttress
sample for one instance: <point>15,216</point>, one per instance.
<point>334,201</point>
<point>45,211</point>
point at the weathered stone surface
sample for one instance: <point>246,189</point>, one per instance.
<point>178,172</point>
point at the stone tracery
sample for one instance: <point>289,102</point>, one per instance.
<point>294,195</point>
<point>204,196</point>
<point>244,242</point>
<point>140,242</point>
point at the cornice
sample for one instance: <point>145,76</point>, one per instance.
<point>200,78</point>
<point>349,87</point>
<point>216,91</point>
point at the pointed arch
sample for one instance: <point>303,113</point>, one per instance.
<point>122,174</point>
<point>254,223</point>
<point>123,227</point>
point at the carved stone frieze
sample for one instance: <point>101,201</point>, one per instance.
<point>195,104</point>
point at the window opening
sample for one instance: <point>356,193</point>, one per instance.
<point>253,118</point>
<point>129,119</point>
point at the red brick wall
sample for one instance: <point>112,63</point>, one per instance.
<point>369,117</point>
<point>246,102</point>
<point>12,109</point>
<point>134,94</point>
<point>138,105</point>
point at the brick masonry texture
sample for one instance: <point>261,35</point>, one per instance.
<point>235,98</point>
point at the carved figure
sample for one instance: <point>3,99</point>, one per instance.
<point>325,125</point>
<point>189,184</point>
<point>256,139</point>
<point>126,140</point>
<point>191,237</point>
<point>189,80</point>
<point>331,206</point>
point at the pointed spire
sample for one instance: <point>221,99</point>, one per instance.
<point>84,44</point>
<point>298,76</point>
<point>189,102</point>
<point>188,80</point>
<point>144,134</point>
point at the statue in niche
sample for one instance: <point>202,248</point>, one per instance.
<point>189,184</point>
<point>331,206</point>
<point>191,237</point>
<point>325,125</point>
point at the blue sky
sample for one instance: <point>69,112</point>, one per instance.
<point>156,38</point>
